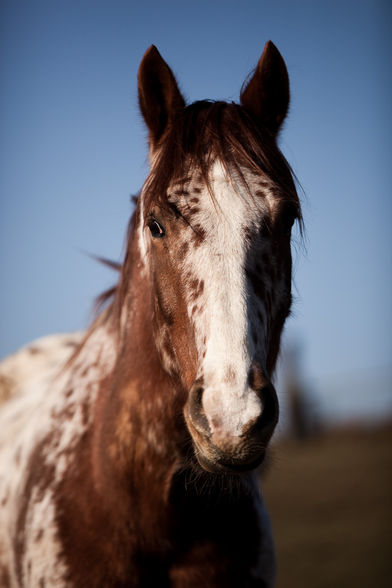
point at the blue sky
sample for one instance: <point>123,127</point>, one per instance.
<point>72,151</point>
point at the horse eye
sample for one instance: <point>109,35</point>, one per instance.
<point>156,230</point>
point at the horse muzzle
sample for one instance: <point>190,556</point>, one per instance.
<point>220,445</point>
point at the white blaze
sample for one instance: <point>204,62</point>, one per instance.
<point>222,321</point>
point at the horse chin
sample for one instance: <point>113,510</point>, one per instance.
<point>220,466</point>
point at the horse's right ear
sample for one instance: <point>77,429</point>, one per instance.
<point>159,96</point>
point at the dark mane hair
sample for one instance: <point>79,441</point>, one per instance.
<point>206,131</point>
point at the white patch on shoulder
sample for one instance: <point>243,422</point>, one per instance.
<point>36,363</point>
<point>43,564</point>
<point>71,414</point>
<point>56,406</point>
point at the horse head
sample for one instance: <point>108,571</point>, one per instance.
<point>214,226</point>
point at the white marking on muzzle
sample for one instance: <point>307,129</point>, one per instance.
<point>229,411</point>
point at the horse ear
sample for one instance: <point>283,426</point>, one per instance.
<point>159,96</point>
<point>267,94</point>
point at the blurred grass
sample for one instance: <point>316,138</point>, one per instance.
<point>330,501</point>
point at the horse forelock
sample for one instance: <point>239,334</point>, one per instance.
<point>206,131</point>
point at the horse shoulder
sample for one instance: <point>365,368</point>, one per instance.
<point>32,437</point>
<point>35,363</point>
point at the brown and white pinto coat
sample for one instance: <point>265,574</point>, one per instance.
<point>134,465</point>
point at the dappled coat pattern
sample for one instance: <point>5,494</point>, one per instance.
<point>133,463</point>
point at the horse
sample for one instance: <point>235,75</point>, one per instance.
<point>135,464</point>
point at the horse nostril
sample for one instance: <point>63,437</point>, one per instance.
<point>195,409</point>
<point>270,412</point>
<point>260,383</point>
<point>256,378</point>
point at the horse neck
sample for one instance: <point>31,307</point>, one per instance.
<point>137,432</point>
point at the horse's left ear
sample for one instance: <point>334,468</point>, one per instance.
<point>267,94</point>
<point>159,96</point>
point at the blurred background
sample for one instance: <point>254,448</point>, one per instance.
<point>73,151</point>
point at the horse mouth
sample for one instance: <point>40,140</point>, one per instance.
<point>222,453</point>
<point>236,460</point>
<point>229,466</point>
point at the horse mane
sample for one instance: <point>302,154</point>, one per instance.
<point>206,131</point>
<point>104,300</point>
